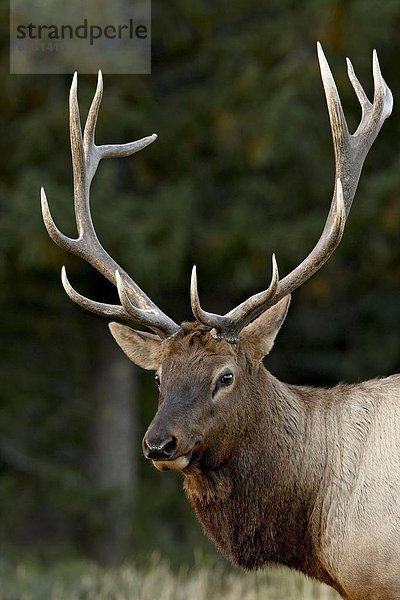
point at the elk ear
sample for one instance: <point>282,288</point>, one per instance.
<point>260,334</point>
<point>142,348</point>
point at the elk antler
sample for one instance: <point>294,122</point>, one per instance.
<point>350,153</point>
<point>135,306</point>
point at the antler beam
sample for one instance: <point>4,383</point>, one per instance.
<point>135,307</point>
<point>350,153</point>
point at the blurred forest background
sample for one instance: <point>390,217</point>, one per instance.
<point>243,167</point>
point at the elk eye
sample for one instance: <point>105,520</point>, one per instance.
<point>157,379</point>
<point>226,379</point>
<point>223,381</point>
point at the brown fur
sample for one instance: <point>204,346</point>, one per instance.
<point>303,477</point>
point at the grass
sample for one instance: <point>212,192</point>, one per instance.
<point>86,581</point>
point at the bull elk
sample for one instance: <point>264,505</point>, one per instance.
<point>298,476</point>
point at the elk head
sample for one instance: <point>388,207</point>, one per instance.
<point>204,385</point>
<point>209,372</point>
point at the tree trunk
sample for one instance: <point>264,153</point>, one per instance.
<point>114,448</point>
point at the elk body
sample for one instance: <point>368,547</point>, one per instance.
<point>304,477</point>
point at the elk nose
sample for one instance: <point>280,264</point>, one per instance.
<point>159,451</point>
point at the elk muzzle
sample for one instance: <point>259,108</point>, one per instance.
<point>166,448</point>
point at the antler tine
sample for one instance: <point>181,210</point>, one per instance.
<point>226,326</point>
<point>153,318</point>
<point>361,95</point>
<point>85,160</point>
<point>117,312</point>
<point>350,153</point>
<point>113,311</point>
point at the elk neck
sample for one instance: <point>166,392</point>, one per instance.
<point>260,505</point>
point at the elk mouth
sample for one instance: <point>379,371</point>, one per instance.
<point>176,463</point>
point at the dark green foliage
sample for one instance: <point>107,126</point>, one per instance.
<point>243,167</point>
